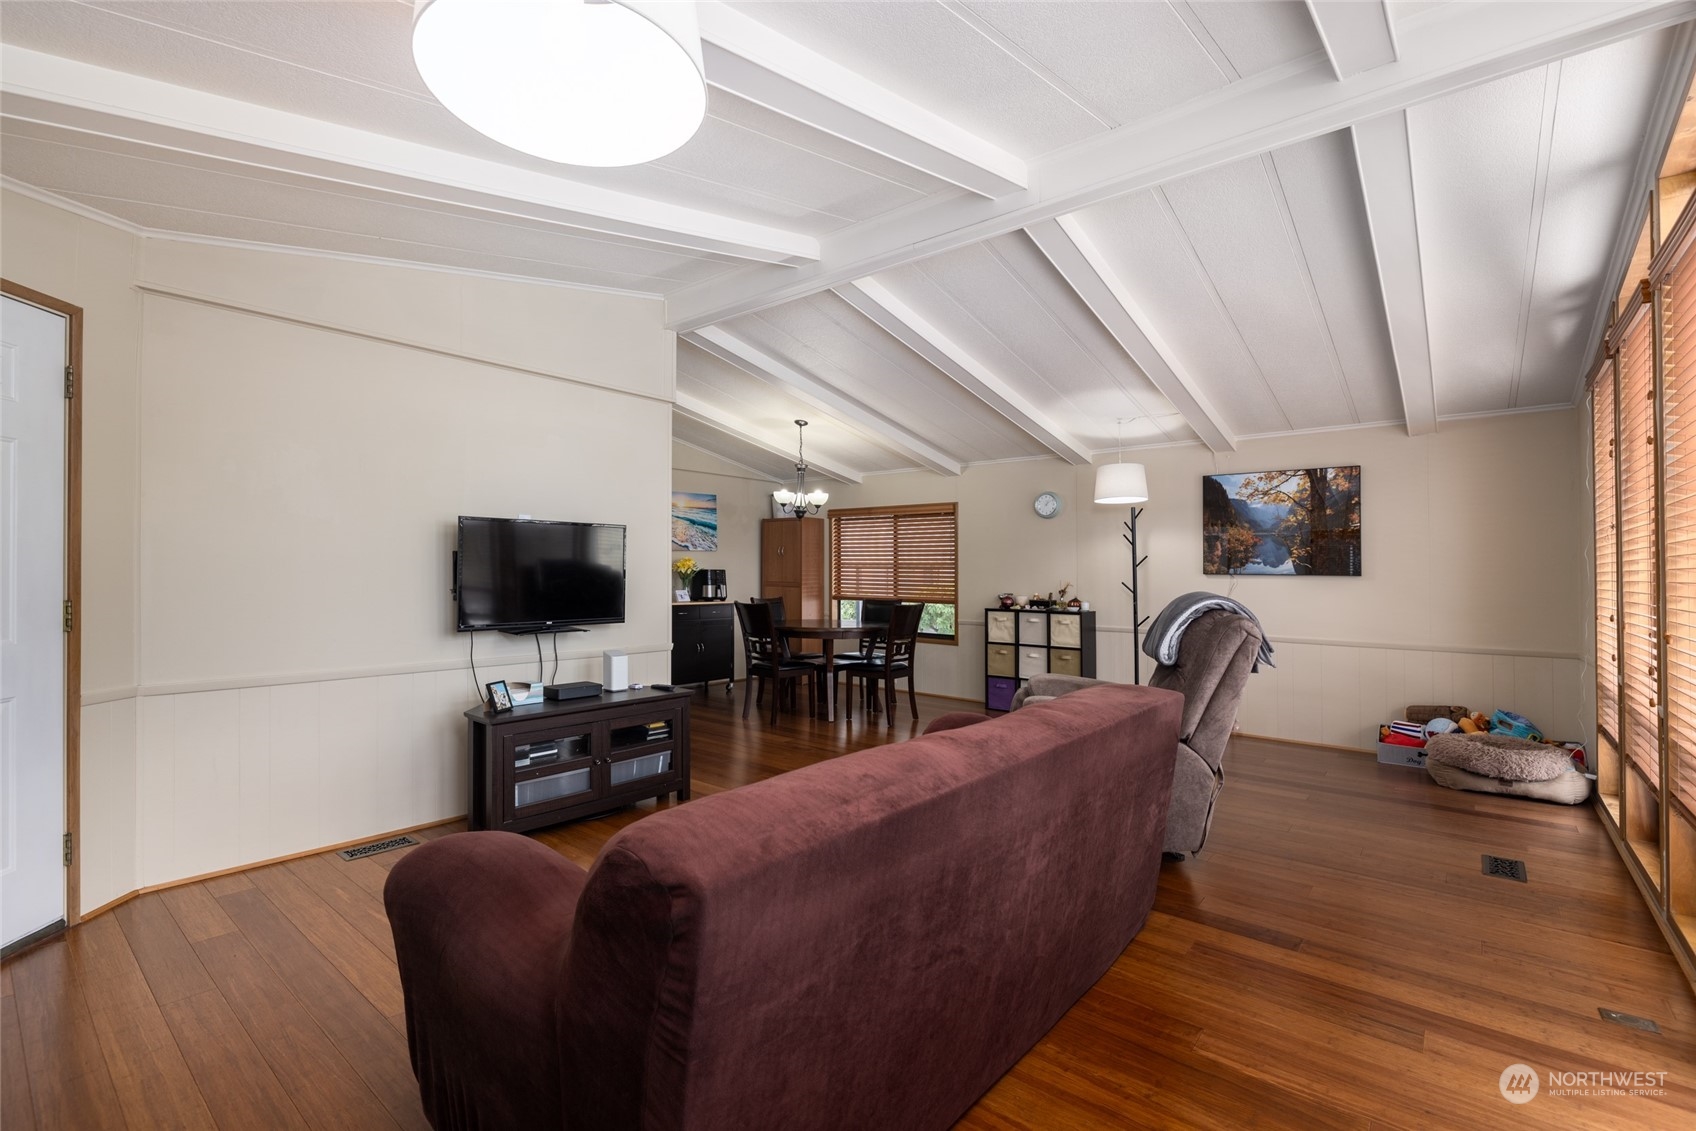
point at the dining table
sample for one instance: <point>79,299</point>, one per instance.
<point>829,632</point>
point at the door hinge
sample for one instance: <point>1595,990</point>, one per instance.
<point>70,382</point>
<point>70,616</point>
<point>67,850</point>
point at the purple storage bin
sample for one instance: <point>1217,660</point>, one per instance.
<point>998,693</point>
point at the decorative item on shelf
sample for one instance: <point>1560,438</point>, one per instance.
<point>684,568</point>
<point>800,502</point>
<point>1117,484</point>
<point>1064,589</point>
<point>500,699</point>
<point>1074,603</point>
<point>1007,600</point>
<point>571,80</point>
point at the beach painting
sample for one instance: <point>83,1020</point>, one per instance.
<point>1301,522</point>
<point>694,521</point>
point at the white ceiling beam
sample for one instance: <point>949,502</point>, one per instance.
<point>1358,34</point>
<point>752,61</point>
<point>1386,181</point>
<point>756,362</point>
<point>1084,266</point>
<point>1445,48</point>
<point>94,100</point>
<point>930,342</point>
<point>714,417</point>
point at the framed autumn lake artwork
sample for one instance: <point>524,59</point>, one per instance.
<point>1295,523</point>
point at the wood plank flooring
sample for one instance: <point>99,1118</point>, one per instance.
<point>1335,959</point>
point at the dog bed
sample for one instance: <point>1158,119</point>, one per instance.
<point>1499,756</point>
<point>1496,763</point>
<point>1569,788</point>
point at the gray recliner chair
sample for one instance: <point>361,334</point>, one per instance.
<point>1214,659</point>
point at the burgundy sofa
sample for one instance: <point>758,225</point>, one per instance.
<point>868,942</point>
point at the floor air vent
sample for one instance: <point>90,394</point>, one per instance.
<point>1505,868</point>
<point>375,847</point>
<point>1628,1020</point>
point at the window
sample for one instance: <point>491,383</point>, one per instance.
<point>1639,549</point>
<point>905,553</point>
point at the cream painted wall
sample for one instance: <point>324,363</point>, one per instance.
<point>1473,587</point>
<point>744,498</point>
<point>93,266</point>
<point>276,447</point>
<point>310,428</point>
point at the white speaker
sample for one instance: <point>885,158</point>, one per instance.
<point>615,670</point>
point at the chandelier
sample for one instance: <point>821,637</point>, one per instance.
<point>800,502</point>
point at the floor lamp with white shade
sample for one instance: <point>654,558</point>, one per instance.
<point>1119,484</point>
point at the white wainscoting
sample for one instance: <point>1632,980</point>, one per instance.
<point>1334,692</point>
<point>235,776</point>
<point>107,855</point>
<point>1338,694</point>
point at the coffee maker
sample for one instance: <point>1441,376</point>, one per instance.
<point>708,585</point>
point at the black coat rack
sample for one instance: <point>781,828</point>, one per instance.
<point>1137,620</point>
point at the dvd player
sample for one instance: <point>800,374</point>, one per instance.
<point>571,690</point>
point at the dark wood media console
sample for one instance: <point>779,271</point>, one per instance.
<point>543,763</point>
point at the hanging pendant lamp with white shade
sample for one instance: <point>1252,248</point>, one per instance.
<point>1121,483</point>
<point>583,82</point>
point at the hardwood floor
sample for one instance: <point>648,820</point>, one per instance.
<point>1334,959</point>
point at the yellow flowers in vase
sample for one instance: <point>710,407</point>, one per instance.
<point>684,568</point>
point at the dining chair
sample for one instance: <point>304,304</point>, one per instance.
<point>899,648</point>
<point>763,651</point>
<point>777,617</point>
<point>873,615</point>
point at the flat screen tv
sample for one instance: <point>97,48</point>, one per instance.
<point>522,575</point>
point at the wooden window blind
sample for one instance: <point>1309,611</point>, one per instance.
<point>1639,551</point>
<point>907,553</point>
<point>1605,478</point>
<point>1679,507</point>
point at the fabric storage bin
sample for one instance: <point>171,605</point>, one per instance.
<point>631,769</point>
<point>1065,631</point>
<point>1033,628</point>
<point>1032,661</point>
<point>1392,755</point>
<point>998,694</point>
<point>1002,627</point>
<point>1065,661</point>
<point>1003,660</point>
<point>550,788</point>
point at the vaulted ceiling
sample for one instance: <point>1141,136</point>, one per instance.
<point>950,231</point>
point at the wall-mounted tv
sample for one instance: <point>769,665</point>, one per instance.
<point>526,576</point>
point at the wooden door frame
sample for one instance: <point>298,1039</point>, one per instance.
<point>73,583</point>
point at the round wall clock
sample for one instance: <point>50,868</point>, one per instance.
<point>1047,504</point>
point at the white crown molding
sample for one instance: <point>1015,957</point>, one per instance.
<point>95,214</point>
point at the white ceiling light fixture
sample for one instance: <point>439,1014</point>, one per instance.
<point>583,82</point>
<point>1121,482</point>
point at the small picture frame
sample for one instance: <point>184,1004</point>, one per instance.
<point>500,699</point>
<point>680,595</point>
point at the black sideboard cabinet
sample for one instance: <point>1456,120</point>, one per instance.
<point>703,642</point>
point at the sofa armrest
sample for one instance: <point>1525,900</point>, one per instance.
<point>1051,687</point>
<point>954,720</point>
<point>482,923</point>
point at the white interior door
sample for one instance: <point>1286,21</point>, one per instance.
<point>32,636</point>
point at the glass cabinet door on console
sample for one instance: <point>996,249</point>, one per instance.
<point>548,766</point>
